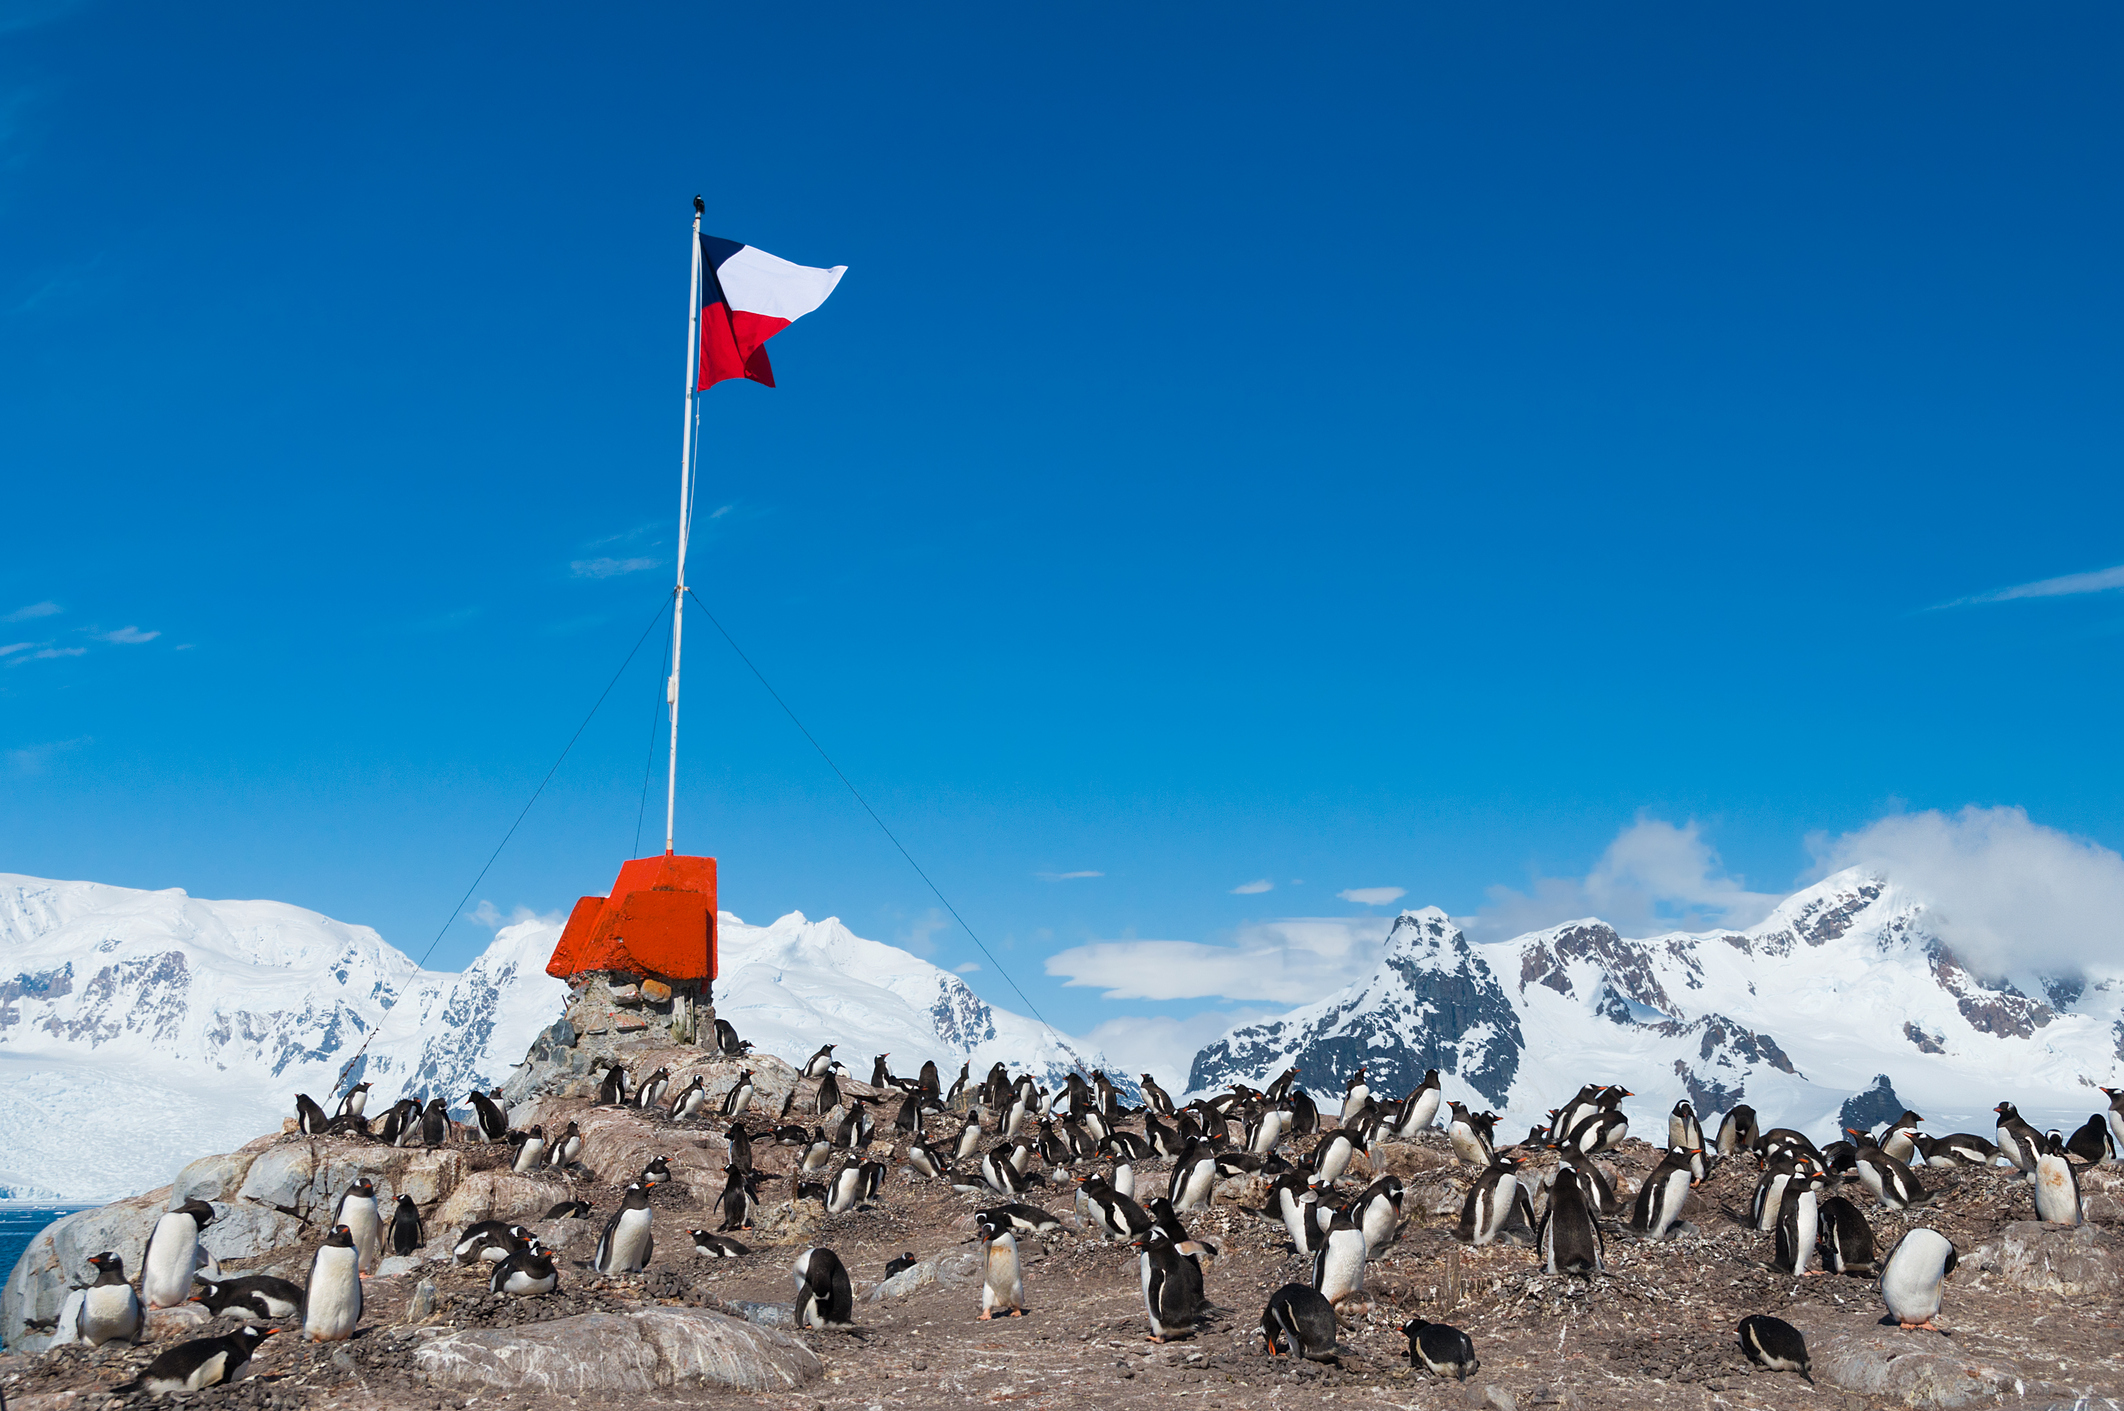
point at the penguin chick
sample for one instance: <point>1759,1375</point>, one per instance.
<point>1776,1344</point>
<point>1443,1351</point>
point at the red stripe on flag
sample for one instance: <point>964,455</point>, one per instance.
<point>734,344</point>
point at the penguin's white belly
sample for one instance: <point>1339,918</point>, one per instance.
<point>333,1306</point>
<point>366,1226</point>
<point>1805,1223</point>
<point>1421,1113</point>
<point>1270,1132</point>
<point>172,1255</point>
<point>1334,1162</point>
<point>1002,1285</point>
<point>1197,1189</point>
<point>1379,1222</point>
<point>2057,1196</point>
<point>207,1373</point>
<point>529,1154</point>
<point>629,1249</point>
<point>1294,1222</point>
<point>1667,1203</point>
<point>1125,1181</point>
<point>108,1312</point>
<point>1343,1274</point>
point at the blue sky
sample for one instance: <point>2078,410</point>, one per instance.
<point>1408,448</point>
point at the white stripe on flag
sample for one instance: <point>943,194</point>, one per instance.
<point>759,283</point>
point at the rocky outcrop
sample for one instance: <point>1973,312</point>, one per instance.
<point>2075,1262</point>
<point>1920,1369</point>
<point>606,1352</point>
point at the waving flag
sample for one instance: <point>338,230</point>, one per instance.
<point>748,296</point>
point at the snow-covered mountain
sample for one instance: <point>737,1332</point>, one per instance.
<point>140,1030</point>
<point>1843,982</point>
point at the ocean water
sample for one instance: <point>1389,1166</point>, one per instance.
<point>20,1220</point>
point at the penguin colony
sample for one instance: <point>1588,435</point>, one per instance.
<point>1017,1143</point>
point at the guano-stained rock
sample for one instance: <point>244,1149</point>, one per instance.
<point>602,1352</point>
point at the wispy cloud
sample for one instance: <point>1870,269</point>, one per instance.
<point>36,759</point>
<point>489,915</point>
<point>609,568</point>
<point>2103,580</point>
<point>1254,888</point>
<point>969,968</point>
<point>1373,896</point>
<point>1654,877</point>
<point>1065,876</point>
<point>47,654</point>
<point>920,935</point>
<point>12,647</point>
<point>127,636</point>
<point>33,610</point>
<point>1292,961</point>
<point>1164,1046</point>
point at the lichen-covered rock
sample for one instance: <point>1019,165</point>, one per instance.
<point>1919,1369</point>
<point>602,1352</point>
<point>497,1195</point>
<point>2057,1259</point>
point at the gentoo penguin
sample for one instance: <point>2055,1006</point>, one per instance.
<point>406,1234</point>
<point>2091,1142</point>
<point>1158,1100</point>
<point>1569,1238</point>
<point>1331,1157</point>
<point>959,1088</point>
<point>727,1042</point>
<point>200,1363</point>
<point>1356,1093</point>
<point>996,1169</point>
<point>526,1274</point>
<point>1683,1130</point>
<point>1294,1202</point>
<point>820,1063</point>
<point>358,1211</point>
<point>2057,1189</point>
<point>824,1297</point>
<point>1268,1130</point>
<point>1002,1284</point>
<point>1124,1178</point>
<point>1911,1277</point>
<point>1172,1285</point>
<point>740,1095</point>
<point>172,1255</point>
<point>109,1311</point>
<point>1602,1130</point>
<point>1778,1172</point>
<point>656,1173</point>
<point>908,1120</point>
<point>737,1148</point>
<point>928,1161</point>
<point>969,1135</point>
<point>1030,1219</point>
<point>626,1244</point>
<point>692,1099</point>
<point>488,1240</point>
<point>1798,1226</point>
<point>1959,1149</point>
<point>714,1246</point>
<point>331,1304</point>
<point>1775,1344</point>
<point>1889,1179</point>
<point>1738,1131</point>
<point>488,1120</point>
<point>401,1122</point>
<point>567,1210</point>
<point>1377,1211</point>
<point>651,1092</point>
<point>353,1103</point>
<point>896,1267</point>
<point>1298,1321</point>
<point>854,1127</point>
<point>532,1153</point>
<point>1488,1207</point>
<point>1899,1140</point>
<point>310,1119</point>
<point>252,1296</point>
<point>2019,1143</point>
<point>737,1202</point>
<point>1420,1108</point>
<point>612,1092</point>
<point>1115,1214</point>
<point>434,1123</point>
<point>1846,1239</point>
<point>1194,1176</point>
<point>845,1190</point>
<point>1466,1138</point>
<point>1338,1264</point>
<point>1440,1350</point>
<point>1664,1192</point>
<point>818,1152</point>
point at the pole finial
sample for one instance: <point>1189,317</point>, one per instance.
<point>700,207</point>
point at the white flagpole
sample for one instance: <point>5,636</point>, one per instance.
<point>678,601</point>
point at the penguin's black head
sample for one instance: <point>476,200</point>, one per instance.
<point>361,1187</point>
<point>253,1335</point>
<point>2004,1109</point>
<point>341,1237</point>
<point>199,1210</point>
<point>1413,1327</point>
<point>406,1201</point>
<point>107,1261</point>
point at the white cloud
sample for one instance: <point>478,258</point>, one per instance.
<point>1253,889</point>
<point>127,636</point>
<point>49,654</point>
<point>1654,877</point>
<point>2007,893</point>
<point>1065,876</point>
<point>12,647</point>
<point>1165,1047</point>
<point>609,568</point>
<point>920,935</point>
<point>1292,962</point>
<point>24,614</point>
<point>487,914</point>
<point>2071,585</point>
<point>1373,896</point>
<point>969,968</point>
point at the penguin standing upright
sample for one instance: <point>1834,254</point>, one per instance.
<point>1172,1285</point>
<point>1738,1131</point>
<point>820,1063</point>
<point>2019,1143</point>
<point>1420,1108</point>
<point>1912,1275</point>
<point>824,1296</point>
<point>1299,1322</point>
<point>1194,1177</point>
<point>358,1211</point>
<point>566,1147</point>
<point>969,1135</point>
<point>1488,1206</point>
<point>1331,1157</point>
<point>693,1098</point>
<point>1569,1238</point>
<point>845,1190</point>
<point>1798,1226</point>
<point>489,1122</point>
<point>2090,1142</point>
<point>1661,1197</point>
<point>1002,1281</point>
<point>740,1095</point>
<point>1156,1098</point>
<point>626,1244</point>
<point>310,1119</point>
<point>1356,1095</point>
<point>173,1254</point>
<point>1466,1138</point>
<point>109,1311</point>
<point>406,1233</point>
<point>736,1203</point>
<point>1778,1172</point>
<point>532,1154</point>
<point>2115,1117</point>
<point>1377,1211</point>
<point>1846,1239</point>
<point>434,1123</point>
<point>1338,1264</point>
<point>1900,1140</point>
<point>612,1092</point>
<point>353,1103</point>
<point>651,1092</point>
<point>2057,1189</point>
<point>1683,1130</point>
<point>331,1303</point>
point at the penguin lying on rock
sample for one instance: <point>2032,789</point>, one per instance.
<point>259,1296</point>
<point>202,1362</point>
